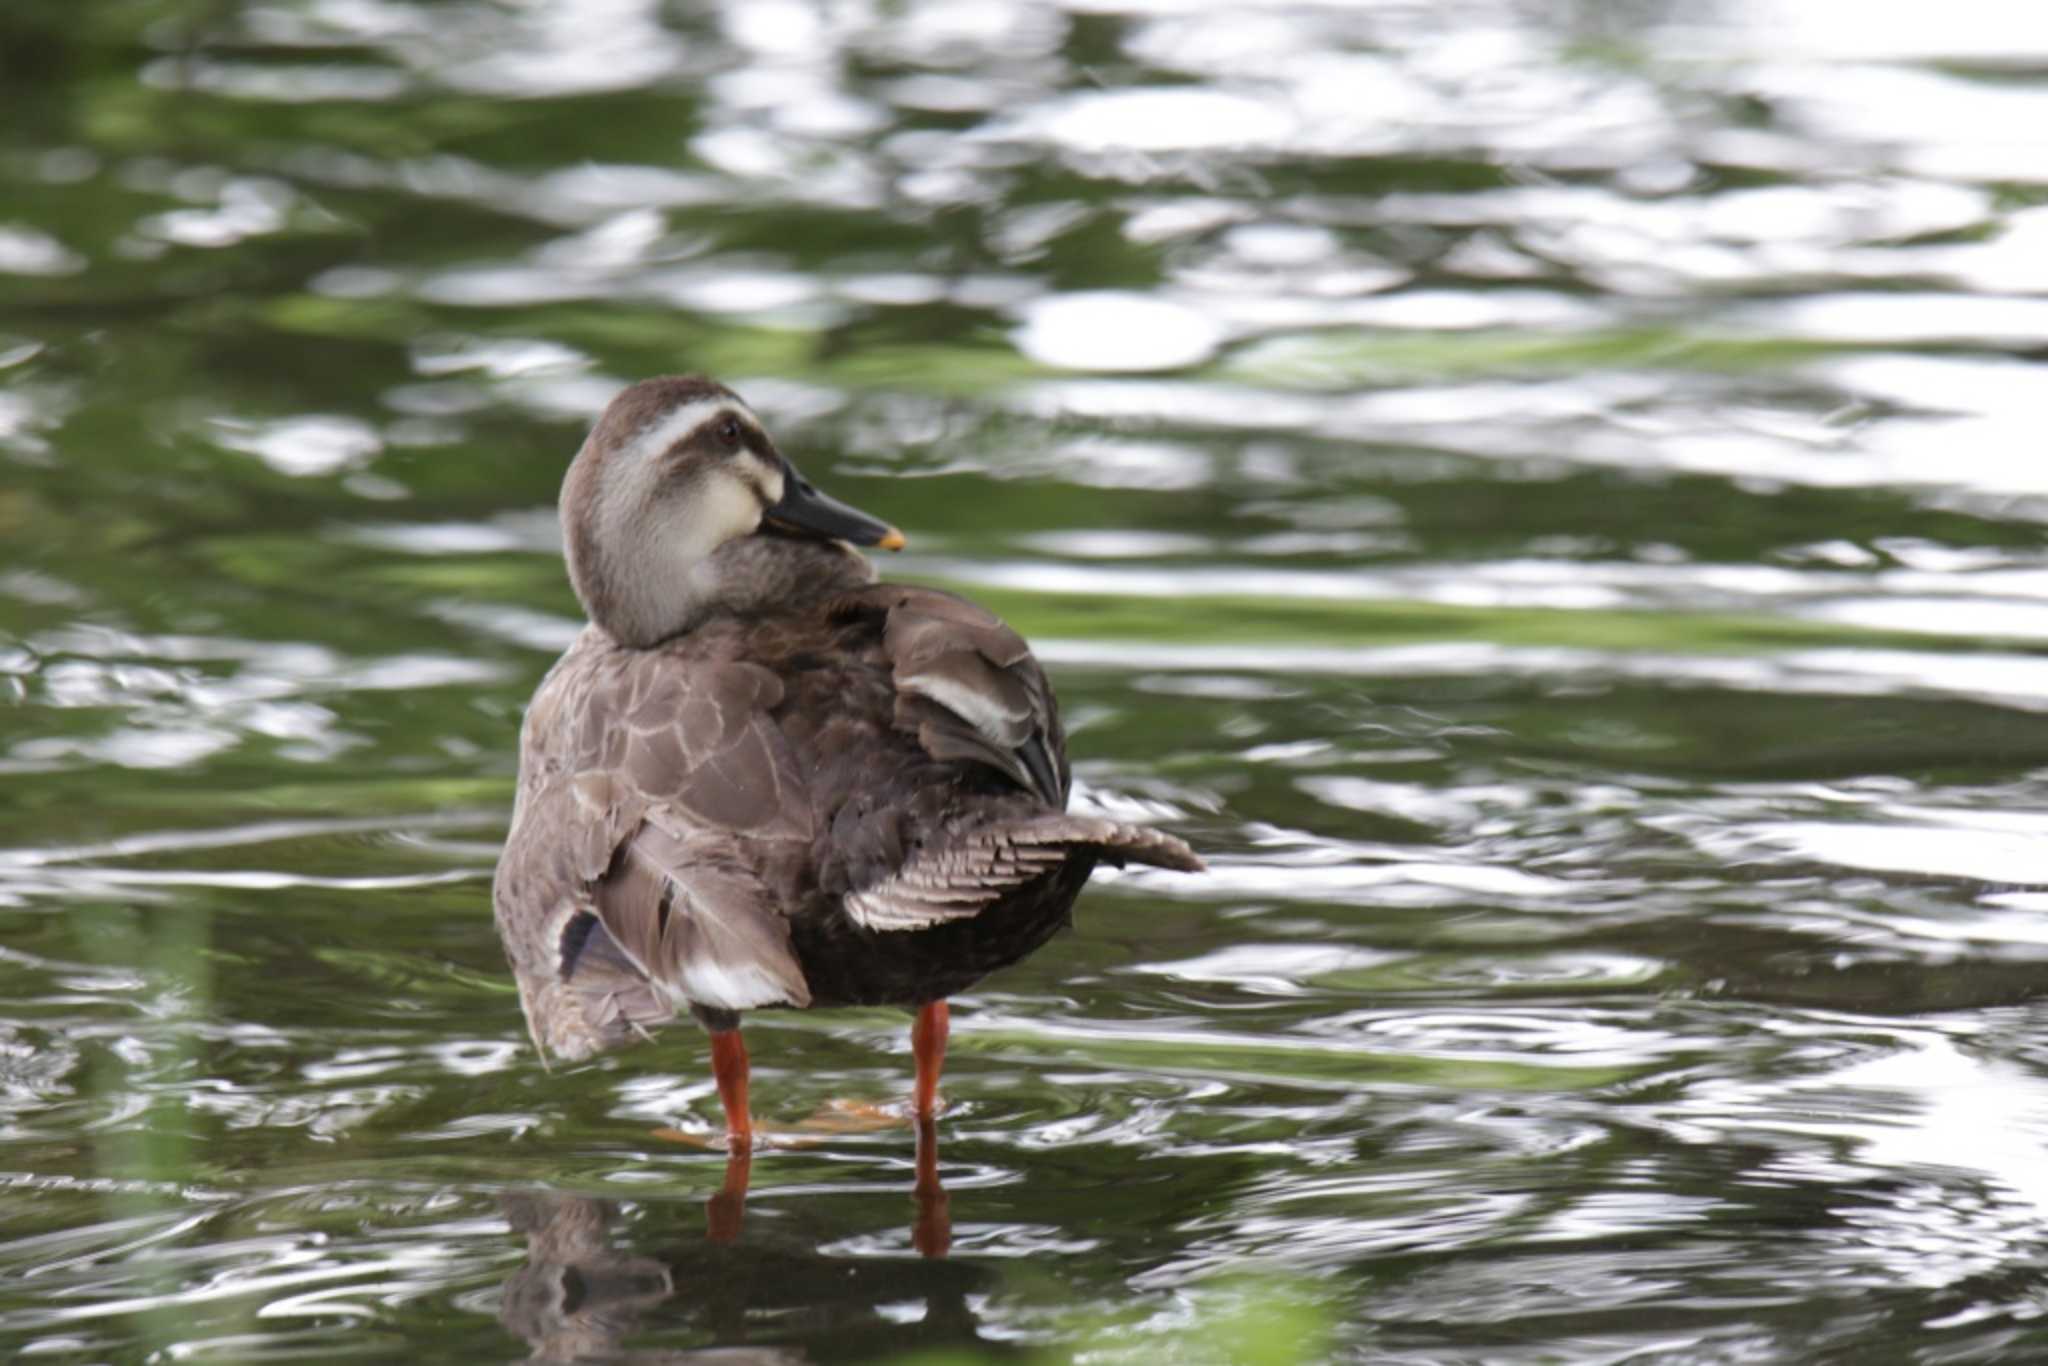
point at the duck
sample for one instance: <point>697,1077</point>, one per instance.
<point>762,777</point>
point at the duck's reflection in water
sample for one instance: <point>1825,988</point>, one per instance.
<point>576,1298</point>
<point>931,1232</point>
<point>579,1296</point>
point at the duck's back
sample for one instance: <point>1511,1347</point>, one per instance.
<point>856,800</point>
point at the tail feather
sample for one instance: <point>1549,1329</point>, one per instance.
<point>972,872</point>
<point>1121,843</point>
<point>594,998</point>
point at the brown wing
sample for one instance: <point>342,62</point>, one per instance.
<point>969,689</point>
<point>649,780</point>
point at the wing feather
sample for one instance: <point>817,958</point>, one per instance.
<point>650,789</point>
<point>968,875</point>
<point>968,688</point>
<point>698,926</point>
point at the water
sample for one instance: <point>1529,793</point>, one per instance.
<point>1548,498</point>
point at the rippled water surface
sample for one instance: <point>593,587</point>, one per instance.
<point>1549,498</point>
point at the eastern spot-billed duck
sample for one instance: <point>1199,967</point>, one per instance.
<point>760,777</point>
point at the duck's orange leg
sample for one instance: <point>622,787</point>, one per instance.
<point>928,1046</point>
<point>729,1070</point>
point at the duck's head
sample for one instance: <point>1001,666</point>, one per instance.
<point>676,468</point>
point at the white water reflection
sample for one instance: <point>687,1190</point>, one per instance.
<point>305,446</point>
<point>30,251</point>
<point>1271,969</point>
<point>1979,847</point>
<point>182,701</point>
<point>1994,599</point>
<point>1165,119</point>
<point>1846,30</point>
<point>1929,1106</point>
<point>1106,330</point>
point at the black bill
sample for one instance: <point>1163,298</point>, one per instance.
<point>805,508</point>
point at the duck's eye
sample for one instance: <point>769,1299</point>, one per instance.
<point>729,433</point>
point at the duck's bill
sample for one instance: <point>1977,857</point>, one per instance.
<point>807,510</point>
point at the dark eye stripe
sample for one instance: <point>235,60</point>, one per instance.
<point>724,429</point>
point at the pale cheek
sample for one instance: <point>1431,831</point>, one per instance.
<point>742,509</point>
<point>725,509</point>
<point>763,476</point>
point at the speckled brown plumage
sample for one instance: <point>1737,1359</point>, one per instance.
<point>825,791</point>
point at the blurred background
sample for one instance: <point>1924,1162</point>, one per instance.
<point>1548,497</point>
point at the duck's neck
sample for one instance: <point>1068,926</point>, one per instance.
<point>750,576</point>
